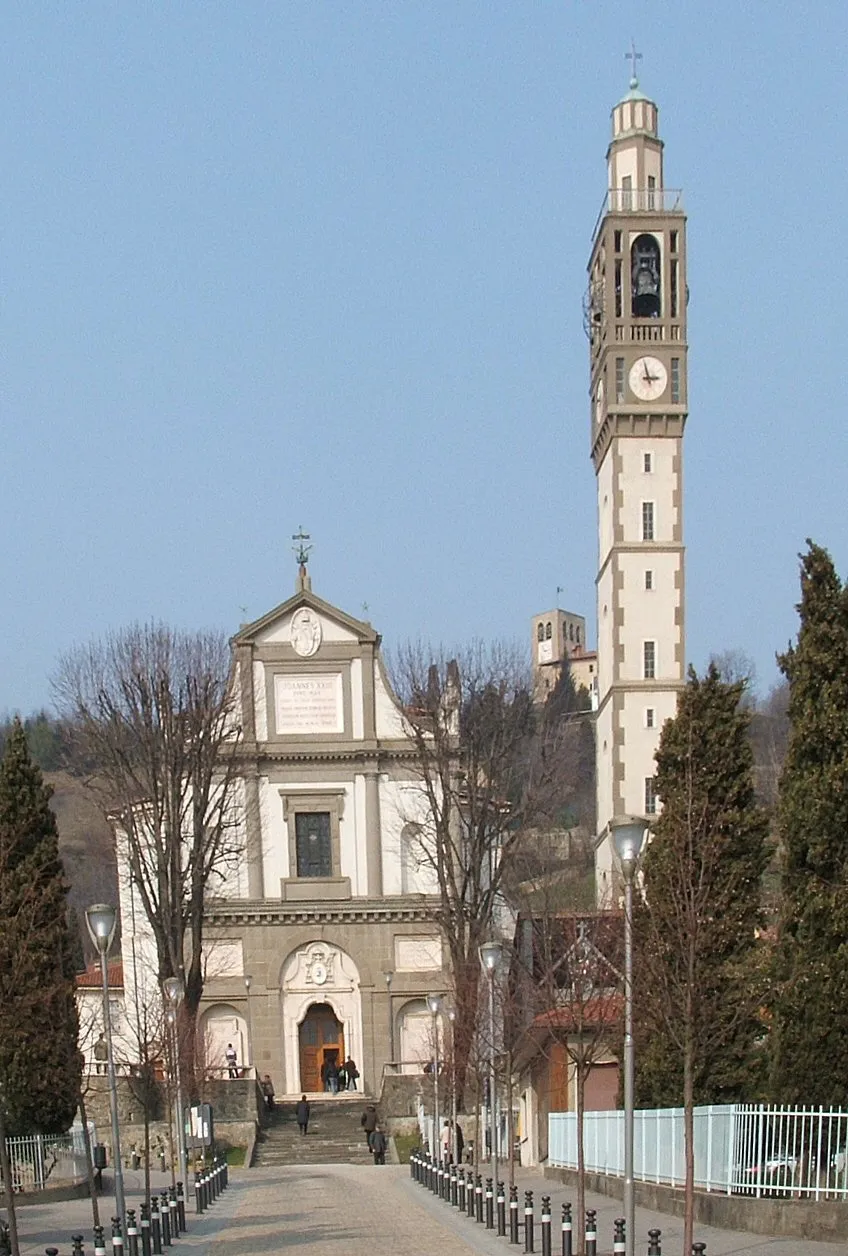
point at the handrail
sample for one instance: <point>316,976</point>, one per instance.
<point>639,201</point>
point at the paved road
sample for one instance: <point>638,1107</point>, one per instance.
<point>366,1210</point>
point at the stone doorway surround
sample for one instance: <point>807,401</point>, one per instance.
<point>319,972</point>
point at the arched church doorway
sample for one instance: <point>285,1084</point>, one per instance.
<point>321,1038</point>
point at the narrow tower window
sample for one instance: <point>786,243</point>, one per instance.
<point>540,632</point>
<point>649,717</point>
<point>675,379</point>
<point>627,193</point>
<point>650,796</point>
<point>673,241</point>
<point>617,241</point>
<point>649,579</point>
<point>647,462</point>
<point>652,191</point>
<point>649,660</point>
<point>548,631</point>
<point>645,277</point>
<point>619,380</point>
<point>647,521</point>
<point>618,288</point>
<point>673,288</point>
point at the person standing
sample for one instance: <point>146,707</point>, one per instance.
<point>268,1092</point>
<point>232,1060</point>
<point>101,1055</point>
<point>303,1115</point>
<point>332,1076</point>
<point>352,1073</point>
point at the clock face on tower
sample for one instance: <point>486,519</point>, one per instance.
<point>648,378</point>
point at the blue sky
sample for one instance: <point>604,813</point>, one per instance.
<point>322,263</point>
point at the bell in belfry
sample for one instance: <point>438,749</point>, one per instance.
<point>645,277</point>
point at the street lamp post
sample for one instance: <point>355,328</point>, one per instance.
<point>454,1149</point>
<point>174,994</point>
<point>248,982</point>
<point>434,1002</point>
<point>491,954</point>
<point>101,920</point>
<point>628,835</point>
<point>388,974</point>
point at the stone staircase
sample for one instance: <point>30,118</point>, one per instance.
<point>335,1135</point>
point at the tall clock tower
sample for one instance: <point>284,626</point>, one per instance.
<point>636,321</point>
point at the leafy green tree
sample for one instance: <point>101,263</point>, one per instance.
<point>698,989</point>
<point>809,1039</point>
<point>40,1063</point>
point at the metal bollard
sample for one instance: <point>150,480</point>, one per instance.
<point>513,1214</point>
<point>454,1185</point>
<point>132,1233</point>
<point>99,1241</point>
<point>413,1160</point>
<point>155,1227</point>
<point>198,1195</point>
<point>501,1205</point>
<point>529,1223</point>
<point>619,1242</point>
<point>546,1225</point>
<point>490,1205</point>
<point>181,1208</point>
<point>591,1232</point>
<point>567,1235</point>
<point>172,1205</point>
<point>654,1248</point>
<point>77,1248</point>
<point>478,1200</point>
<point>165,1220</point>
<point>470,1196</point>
<point>443,1181</point>
<point>117,1237</point>
<point>698,1249</point>
<point>144,1226</point>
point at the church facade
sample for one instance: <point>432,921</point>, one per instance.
<point>320,941</point>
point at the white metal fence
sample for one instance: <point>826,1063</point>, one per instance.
<point>37,1160</point>
<point>750,1149</point>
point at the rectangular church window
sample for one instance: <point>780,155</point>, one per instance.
<point>314,845</point>
<point>647,521</point>
<point>649,660</point>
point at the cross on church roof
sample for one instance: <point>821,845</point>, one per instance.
<point>633,56</point>
<point>301,550</point>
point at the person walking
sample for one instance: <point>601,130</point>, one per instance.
<point>352,1072</point>
<point>268,1092</point>
<point>232,1060</point>
<point>368,1121</point>
<point>303,1114</point>
<point>330,1073</point>
<point>378,1144</point>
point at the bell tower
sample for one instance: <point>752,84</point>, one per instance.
<point>636,323</point>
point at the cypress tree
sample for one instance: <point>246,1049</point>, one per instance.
<point>698,968</point>
<point>40,1062</point>
<point>809,1039</point>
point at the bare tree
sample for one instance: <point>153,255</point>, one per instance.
<point>154,726</point>
<point>485,771</point>
<point>566,998</point>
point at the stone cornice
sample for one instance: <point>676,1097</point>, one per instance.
<point>349,911</point>
<point>341,752</point>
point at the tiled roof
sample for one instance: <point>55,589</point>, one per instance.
<point>92,980</point>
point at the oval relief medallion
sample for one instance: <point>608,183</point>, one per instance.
<point>305,632</point>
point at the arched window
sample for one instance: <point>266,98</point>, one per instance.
<point>548,631</point>
<point>571,632</point>
<point>645,277</point>
<point>540,632</point>
<point>578,634</point>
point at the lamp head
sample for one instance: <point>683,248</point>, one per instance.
<point>101,919</point>
<point>491,954</point>
<point>248,982</point>
<point>434,1002</point>
<point>628,834</point>
<point>174,990</point>
<point>388,974</point>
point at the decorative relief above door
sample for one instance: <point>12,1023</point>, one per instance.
<point>305,632</point>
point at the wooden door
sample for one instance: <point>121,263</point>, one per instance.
<point>321,1036</point>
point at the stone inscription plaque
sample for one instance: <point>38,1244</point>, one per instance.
<point>309,704</point>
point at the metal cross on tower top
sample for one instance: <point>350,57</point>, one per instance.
<point>633,56</point>
<point>301,550</point>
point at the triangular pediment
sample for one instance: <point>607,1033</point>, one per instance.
<point>336,625</point>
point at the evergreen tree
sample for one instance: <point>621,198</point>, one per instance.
<point>40,1061</point>
<point>809,1039</point>
<point>699,968</point>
